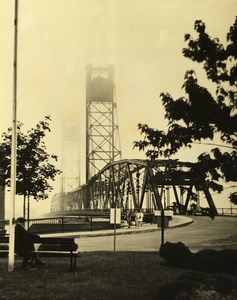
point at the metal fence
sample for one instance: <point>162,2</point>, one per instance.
<point>61,224</point>
<point>231,211</point>
<point>55,224</point>
<point>80,223</point>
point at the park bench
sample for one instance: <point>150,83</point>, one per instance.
<point>50,247</point>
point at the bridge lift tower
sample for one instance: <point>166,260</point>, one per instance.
<point>102,131</point>
<point>70,155</point>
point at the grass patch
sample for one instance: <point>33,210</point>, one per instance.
<point>100,275</point>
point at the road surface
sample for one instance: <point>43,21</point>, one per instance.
<point>202,233</point>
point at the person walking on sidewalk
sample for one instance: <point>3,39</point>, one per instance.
<point>140,218</point>
<point>129,218</point>
<point>136,215</point>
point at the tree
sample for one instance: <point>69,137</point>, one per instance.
<point>34,169</point>
<point>199,115</point>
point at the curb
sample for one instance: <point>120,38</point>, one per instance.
<point>137,231</point>
<point>126,231</point>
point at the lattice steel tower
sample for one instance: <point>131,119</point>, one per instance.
<point>70,155</point>
<point>102,132</point>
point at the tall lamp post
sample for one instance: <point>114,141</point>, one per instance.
<point>13,148</point>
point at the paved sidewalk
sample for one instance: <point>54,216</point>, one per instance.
<point>177,221</point>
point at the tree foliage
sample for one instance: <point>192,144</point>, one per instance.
<point>200,115</point>
<point>34,168</point>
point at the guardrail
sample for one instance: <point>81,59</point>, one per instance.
<point>82,222</point>
<point>84,212</point>
<point>231,211</point>
<point>61,224</point>
<point>93,212</point>
<point>55,224</point>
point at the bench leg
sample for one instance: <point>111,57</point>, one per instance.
<point>73,262</point>
<point>32,261</point>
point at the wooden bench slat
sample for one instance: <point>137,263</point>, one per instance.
<point>70,242</point>
<point>55,251</point>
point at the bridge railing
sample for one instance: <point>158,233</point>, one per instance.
<point>96,212</point>
<point>81,222</point>
<point>60,224</point>
<point>54,224</point>
<point>227,211</point>
<point>83,212</point>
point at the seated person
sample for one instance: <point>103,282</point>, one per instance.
<point>24,243</point>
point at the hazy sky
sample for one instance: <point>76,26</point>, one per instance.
<point>142,39</point>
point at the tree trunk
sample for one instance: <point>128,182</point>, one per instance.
<point>24,206</point>
<point>28,211</point>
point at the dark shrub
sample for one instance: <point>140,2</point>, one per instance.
<point>230,257</point>
<point>214,261</point>
<point>194,276</point>
<point>222,283</point>
<point>205,260</point>
<point>171,290</point>
<point>197,285</point>
<point>177,254</point>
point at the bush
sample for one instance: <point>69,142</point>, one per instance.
<point>230,256</point>
<point>171,290</point>
<point>213,261</point>
<point>196,285</point>
<point>177,254</point>
<point>222,283</point>
<point>207,260</point>
<point>194,276</point>
<point>202,294</point>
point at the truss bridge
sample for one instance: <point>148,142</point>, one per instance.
<point>137,184</point>
<point>126,183</point>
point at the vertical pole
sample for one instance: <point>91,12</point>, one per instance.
<point>164,190</point>
<point>28,212</point>
<point>62,224</point>
<point>88,96</point>
<point>13,149</point>
<point>115,229</point>
<point>162,226</point>
<point>24,207</point>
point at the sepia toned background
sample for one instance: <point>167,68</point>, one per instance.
<point>142,39</point>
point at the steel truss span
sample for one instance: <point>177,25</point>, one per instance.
<point>138,184</point>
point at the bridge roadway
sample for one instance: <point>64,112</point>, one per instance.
<point>197,233</point>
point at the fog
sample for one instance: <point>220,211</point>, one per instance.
<point>142,39</point>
